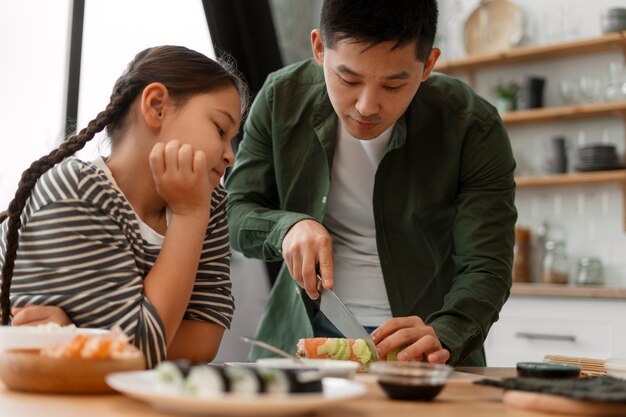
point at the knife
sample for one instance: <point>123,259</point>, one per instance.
<point>342,318</point>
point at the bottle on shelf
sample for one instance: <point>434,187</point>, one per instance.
<point>521,255</point>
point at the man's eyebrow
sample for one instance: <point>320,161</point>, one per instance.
<point>402,75</point>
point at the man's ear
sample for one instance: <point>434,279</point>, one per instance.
<point>318,47</point>
<point>153,100</point>
<point>430,63</point>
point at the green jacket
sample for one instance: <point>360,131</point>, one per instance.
<point>443,204</point>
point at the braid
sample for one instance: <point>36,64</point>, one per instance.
<point>29,178</point>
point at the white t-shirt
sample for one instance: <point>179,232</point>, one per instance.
<point>350,220</point>
<point>147,233</point>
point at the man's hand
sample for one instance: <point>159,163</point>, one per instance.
<point>421,339</point>
<point>306,247</point>
<point>33,315</point>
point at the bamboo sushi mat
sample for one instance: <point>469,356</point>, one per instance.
<point>588,366</point>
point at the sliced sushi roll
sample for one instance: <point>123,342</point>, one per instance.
<point>209,380</point>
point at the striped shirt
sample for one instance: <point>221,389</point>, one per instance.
<point>81,249</point>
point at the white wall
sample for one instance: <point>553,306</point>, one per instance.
<point>591,216</point>
<point>33,57</point>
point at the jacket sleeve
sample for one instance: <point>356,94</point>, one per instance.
<point>483,239</point>
<point>257,222</point>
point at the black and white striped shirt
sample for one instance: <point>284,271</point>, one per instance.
<point>81,249</point>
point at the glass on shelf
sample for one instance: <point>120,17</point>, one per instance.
<point>555,263</point>
<point>569,91</point>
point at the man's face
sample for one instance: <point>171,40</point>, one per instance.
<point>370,86</point>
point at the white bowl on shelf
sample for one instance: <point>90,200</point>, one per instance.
<point>616,367</point>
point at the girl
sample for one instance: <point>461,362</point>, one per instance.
<point>138,239</point>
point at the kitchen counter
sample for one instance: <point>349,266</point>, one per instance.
<point>459,398</point>
<point>565,290</point>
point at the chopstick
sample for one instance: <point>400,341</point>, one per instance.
<point>588,366</point>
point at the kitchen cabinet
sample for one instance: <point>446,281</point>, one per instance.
<point>531,327</point>
<point>613,41</point>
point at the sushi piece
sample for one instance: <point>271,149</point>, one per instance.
<point>340,348</point>
<point>171,376</point>
<point>207,381</point>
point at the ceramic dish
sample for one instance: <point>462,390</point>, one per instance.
<point>495,25</point>
<point>143,386</point>
<point>328,367</point>
<point>27,370</point>
<point>41,337</point>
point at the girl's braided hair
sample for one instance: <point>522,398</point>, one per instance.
<point>183,71</point>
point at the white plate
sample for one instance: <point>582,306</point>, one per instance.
<point>40,337</point>
<point>328,367</point>
<point>142,385</point>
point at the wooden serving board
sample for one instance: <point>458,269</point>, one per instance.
<point>561,405</point>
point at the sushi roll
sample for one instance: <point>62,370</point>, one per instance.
<point>335,348</point>
<point>343,349</point>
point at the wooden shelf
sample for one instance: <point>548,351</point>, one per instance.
<point>580,178</point>
<point>556,114</point>
<point>565,290</point>
<point>611,41</point>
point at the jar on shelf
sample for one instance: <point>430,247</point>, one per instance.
<point>589,271</point>
<point>521,255</point>
<point>555,263</point>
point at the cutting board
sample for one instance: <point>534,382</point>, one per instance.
<point>562,405</point>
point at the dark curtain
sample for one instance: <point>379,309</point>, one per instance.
<point>244,29</point>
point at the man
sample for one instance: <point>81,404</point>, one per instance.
<point>395,185</point>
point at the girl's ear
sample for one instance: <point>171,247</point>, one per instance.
<point>153,100</point>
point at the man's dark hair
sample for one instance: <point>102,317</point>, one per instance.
<point>377,21</point>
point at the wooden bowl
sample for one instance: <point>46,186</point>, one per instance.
<point>27,370</point>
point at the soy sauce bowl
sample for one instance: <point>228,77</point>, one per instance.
<point>413,381</point>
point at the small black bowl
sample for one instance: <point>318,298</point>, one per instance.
<point>413,381</point>
<point>547,370</point>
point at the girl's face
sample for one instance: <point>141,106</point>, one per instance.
<point>208,122</point>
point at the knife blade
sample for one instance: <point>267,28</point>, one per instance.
<point>342,318</point>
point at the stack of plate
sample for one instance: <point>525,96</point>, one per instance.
<point>598,158</point>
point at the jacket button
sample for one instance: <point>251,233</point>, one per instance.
<point>324,200</point>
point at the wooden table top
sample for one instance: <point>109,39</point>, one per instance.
<point>460,397</point>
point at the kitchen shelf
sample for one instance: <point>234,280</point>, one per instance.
<point>564,290</point>
<point>609,42</point>
<point>557,114</point>
<point>581,178</point>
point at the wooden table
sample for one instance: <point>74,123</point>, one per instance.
<point>459,398</point>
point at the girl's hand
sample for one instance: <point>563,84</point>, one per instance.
<point>33,315</point>
<point>181,177</point>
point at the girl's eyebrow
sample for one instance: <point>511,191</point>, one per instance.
<point>232,120</point>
